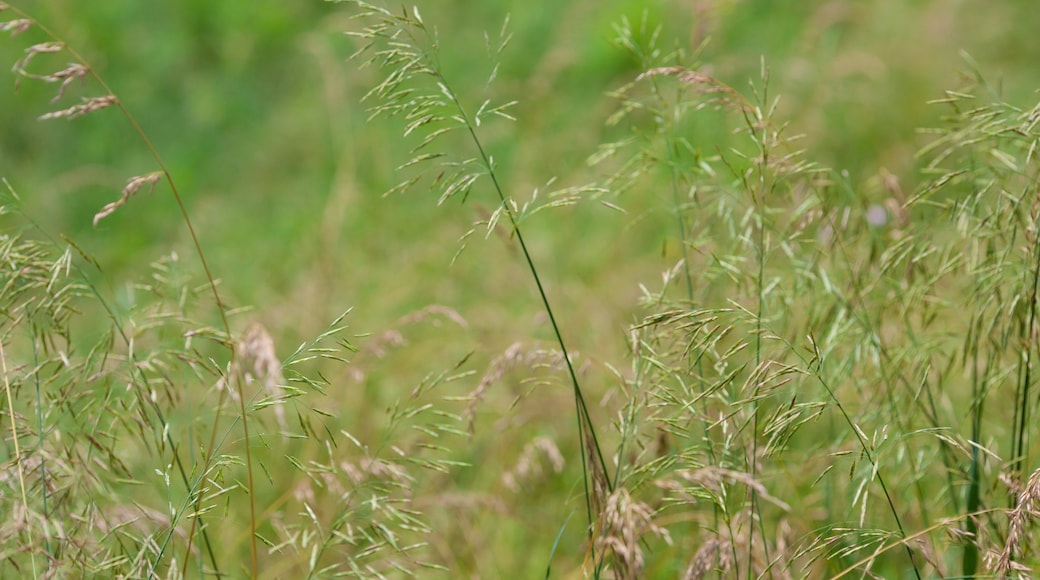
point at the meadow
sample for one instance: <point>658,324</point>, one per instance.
<point>613,289</point>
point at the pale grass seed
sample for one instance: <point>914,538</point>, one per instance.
<point>713,555</point>
<point>16,26</point>
<point>132,187</point>
<point>626,522</point>
<point>260,363</point>
<point>66,76</point>
<point>1027,508</point>
<point>22,65</point>
<point>89,105</point>
<point>256,361</point>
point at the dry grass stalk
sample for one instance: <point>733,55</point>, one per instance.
<point>132,187</point>
<point>1027,508</point>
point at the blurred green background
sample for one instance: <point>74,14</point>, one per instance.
<point>256,111</point>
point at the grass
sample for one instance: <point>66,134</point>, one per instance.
<point>688,328</point>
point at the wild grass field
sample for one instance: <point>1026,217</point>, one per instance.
<point>615,289</point>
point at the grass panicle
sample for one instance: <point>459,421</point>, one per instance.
<point>815,372</point>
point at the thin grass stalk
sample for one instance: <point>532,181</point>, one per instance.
<point>942,524</point>
<point>862,317</point>
<point>818,374</point>
<point>205,266</point>
<point>44,485</point>
<point>758,126</point>
<point>760,311</point>
<point>424,60</point>
<point>680,222</point>
<point>932,414</point>
<point>584,419</point>
<point>895,514</point>
<point>883,367</point>
<point>1020,413</point>
<point>885,361</point>
<point>17,453</point>
<point>970,557</point>
<point>583,416</point>
<point>671,143</point>
<point>1021,444</point>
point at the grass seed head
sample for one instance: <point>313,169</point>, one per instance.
<point>132,187</point>
<point>88,106</point>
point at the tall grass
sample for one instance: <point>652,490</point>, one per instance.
<point>116,446</point>
<point>831,378</point>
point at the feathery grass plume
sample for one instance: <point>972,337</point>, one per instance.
<point>132,187</point>
<point>81,68</point>
<point>359,505</point>
<point>722,374</point>
<point>91,413</point>
<point>406,48</point>
<point>626,524</point>
<point>1026,509</point>
<point>712,556</point>
<point>256,362</point>
<point>983,169</point>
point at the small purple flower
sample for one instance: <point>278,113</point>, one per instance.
<point>877,216</point>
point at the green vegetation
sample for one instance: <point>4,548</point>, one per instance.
<point>711,289</point>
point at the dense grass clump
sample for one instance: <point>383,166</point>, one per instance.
<point>698,346</point>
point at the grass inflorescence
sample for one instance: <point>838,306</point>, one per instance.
<point>831,377</point>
